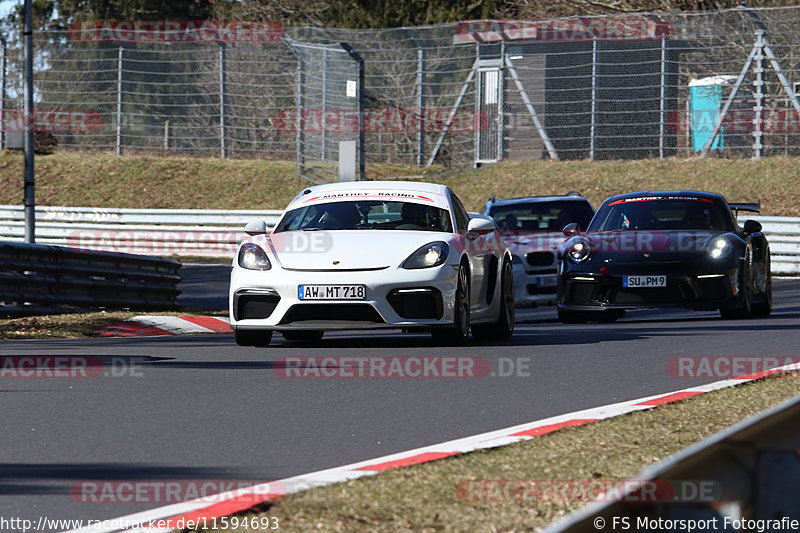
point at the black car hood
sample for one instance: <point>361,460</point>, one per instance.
<point>654,243</point>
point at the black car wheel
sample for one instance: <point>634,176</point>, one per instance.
<point>308,335</point>
<point>458,333</point>
<point>744,309</point>
<point>764,307</point>
<point>252,337</point>
<point>504,327</point>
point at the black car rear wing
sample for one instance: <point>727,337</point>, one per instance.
<point>745,206</point>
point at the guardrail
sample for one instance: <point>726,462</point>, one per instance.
<point>180,232</point>
<point>37,278</point>
<point>216,233</point>
<point>751,472</point>
<point>783,234</point>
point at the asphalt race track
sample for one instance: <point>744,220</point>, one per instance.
<point>200,408</point>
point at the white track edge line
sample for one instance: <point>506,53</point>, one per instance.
<point>173,324</point>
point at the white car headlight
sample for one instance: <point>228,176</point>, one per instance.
<point>430,255</point>
<point>252,257</point>
<point>578,251</point>
<point>719,248</point>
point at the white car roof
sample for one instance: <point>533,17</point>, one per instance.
<point>417,186</point>
<point>412,187</point>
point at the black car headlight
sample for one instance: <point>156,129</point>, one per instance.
<point>252,257</point>
<point>578,251</point>
<point>431,255</point>
<point>719,248</point>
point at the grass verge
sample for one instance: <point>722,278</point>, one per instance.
<point>79,325</point>
<point>106,180</point>
<point>423,498</point>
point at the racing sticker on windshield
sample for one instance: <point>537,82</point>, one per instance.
<point>433,199</point>
<point>650,198</point>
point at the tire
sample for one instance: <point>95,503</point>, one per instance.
<point>457,334</point>
<point>252,337</point>
<point>764,307</point>
<point>572,317</point>
<point>744,310</point>
<point>504,327</point>
<point>308,335</point>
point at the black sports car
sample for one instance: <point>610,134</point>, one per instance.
<point>664,249</point>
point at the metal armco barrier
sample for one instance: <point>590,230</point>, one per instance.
<point>783,234</point>
<point>164,232</point>
<point>752,469</point>
<point>217,233</point>
<point>36,278</point>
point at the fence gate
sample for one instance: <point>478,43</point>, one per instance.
<point>489,111</point>
<point>329,110</point>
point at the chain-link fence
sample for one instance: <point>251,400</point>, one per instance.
<point>621,87</point>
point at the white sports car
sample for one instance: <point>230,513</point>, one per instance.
<point>362,255</point>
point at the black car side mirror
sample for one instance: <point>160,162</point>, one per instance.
<point>751,226</point>
<point>571,229</point>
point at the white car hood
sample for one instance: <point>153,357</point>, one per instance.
<point>348,249</point>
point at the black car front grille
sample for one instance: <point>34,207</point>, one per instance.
<point>542,271</point>
<point>535,289</point>
<point>580,292</point>
<point>332,313</point>
<point>255,305</point>
<point>540,258</point>
<point>641,296</point>
<point>679,290</point>
<point>716,288</point>
<point>424,302</point>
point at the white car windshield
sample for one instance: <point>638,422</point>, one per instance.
<point>529,217</point>
<point>366,214</point>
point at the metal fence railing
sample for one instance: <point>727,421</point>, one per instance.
<point>163,232</point>
<point>36,279</point>
<point>627,86</point>
<point>217,233</point>
<point>783,234</point>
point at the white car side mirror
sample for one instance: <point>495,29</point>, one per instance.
<point>256,227</point>
<point>480,225</point>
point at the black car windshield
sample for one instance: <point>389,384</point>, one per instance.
<point>526,217</point>
<point>356,214</point>
<point>662,213</point>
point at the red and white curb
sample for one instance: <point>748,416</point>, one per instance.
<point>171,517</point>
<point>153,325</point>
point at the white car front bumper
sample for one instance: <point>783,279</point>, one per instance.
<point>532,289</point>
<point>422,298</point>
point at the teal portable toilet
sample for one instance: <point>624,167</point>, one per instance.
<point>705,96</point>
